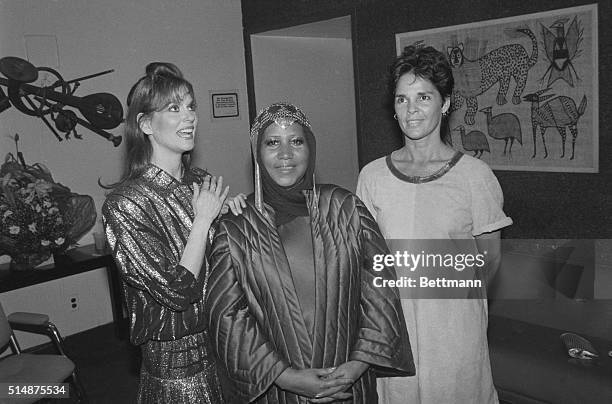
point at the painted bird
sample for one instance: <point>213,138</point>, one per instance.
<point>475,141</point>
<point>505,126</point>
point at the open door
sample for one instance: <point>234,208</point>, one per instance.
<point>311,66</point>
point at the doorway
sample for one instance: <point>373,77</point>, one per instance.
<point>311,66</point>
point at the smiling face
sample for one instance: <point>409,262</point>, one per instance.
<point>284,153</point>
<point>172,129</point>
<point>419,107</point>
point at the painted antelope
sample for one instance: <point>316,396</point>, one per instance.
<point>560,112</point>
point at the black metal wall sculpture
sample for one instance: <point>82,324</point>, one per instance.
<point>100,110</point>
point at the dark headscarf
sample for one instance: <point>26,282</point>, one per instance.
<point>288,202</point>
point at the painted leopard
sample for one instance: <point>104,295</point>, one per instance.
<point>474,77</point>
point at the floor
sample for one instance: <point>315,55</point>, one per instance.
<point>107,366</point>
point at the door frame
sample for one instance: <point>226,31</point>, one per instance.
<point>250,79</point>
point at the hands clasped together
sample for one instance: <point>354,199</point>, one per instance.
<point>322,385</point>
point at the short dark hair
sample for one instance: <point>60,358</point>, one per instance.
<point>427,63</point>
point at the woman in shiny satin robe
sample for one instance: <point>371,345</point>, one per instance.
<point>293,310</point>
<point>158,220</point>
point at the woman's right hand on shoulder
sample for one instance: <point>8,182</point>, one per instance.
<point>208,199</point>
<point>311,383</point>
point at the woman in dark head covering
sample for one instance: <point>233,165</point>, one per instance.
<point>287,199</point>
<point>291,298</point>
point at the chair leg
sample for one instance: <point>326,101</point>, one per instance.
<point>14,344</point>
<point>81,396</point>
<point>55,336</point>
<point>58,341</point>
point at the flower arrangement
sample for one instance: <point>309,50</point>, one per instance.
<point>38,217</point>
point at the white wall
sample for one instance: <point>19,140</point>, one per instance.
<point>53,298</point>
<point>202,37</point>
<point>315,74</point>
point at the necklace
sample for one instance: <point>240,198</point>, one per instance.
<point>416,179</point>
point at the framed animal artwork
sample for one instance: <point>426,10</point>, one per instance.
<point>526,88</point>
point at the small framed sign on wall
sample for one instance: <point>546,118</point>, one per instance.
<point>224,104</point>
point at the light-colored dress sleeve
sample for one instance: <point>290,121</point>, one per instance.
<point>487,202</point>
<point>364,191</point>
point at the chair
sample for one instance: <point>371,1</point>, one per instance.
<point>34,368</point>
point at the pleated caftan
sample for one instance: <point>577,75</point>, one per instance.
<point>254,309</point>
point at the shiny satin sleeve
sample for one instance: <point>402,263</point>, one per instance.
<point>250,360</point>
<point>143,255</point>
<point>383,338</point>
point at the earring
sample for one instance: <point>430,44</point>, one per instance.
<point>395,116</point>
<point>445,113</point>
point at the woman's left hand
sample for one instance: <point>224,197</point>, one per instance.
<point>235,204</point>
<point>351,370</point>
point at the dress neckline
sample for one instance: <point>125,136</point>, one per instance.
<point>415,179</point>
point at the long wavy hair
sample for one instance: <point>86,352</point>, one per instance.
<point>162,84</point>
